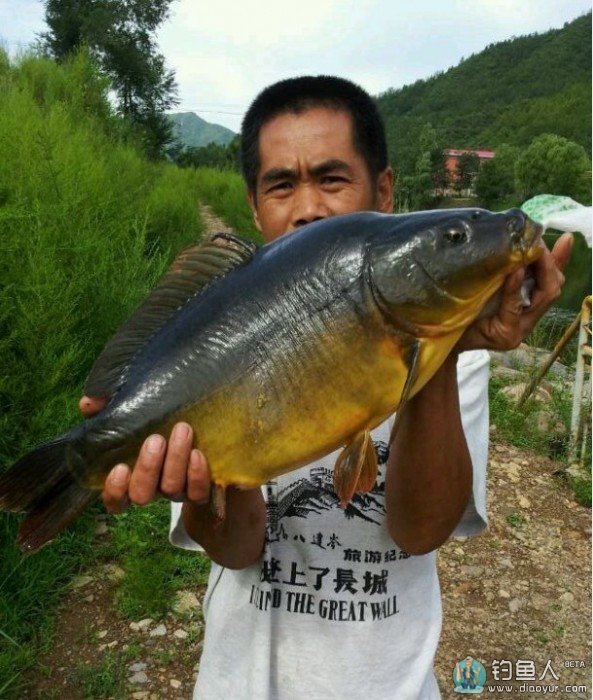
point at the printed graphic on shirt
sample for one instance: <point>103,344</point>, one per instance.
<point>338,593</point>
<point>342,582</point>
<point>316,494</point>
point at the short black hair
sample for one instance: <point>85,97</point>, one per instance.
<point>297,95</point>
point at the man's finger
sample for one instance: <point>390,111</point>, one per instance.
<point>198,478</point>
<point>548,280</point>
<point>90,405</point>
<point>511,302</point>
<point>562,250</point>
<point>177,461</point>
<point>147,471</point>
<point>115,491</point>
<point>513,283</point>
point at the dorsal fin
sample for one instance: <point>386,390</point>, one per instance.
<point>192,270</point>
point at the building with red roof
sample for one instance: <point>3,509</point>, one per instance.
<point>453,155</point>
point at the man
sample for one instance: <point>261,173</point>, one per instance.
<point>306,599</point>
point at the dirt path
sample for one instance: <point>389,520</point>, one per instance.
<point>212,222</point>
<point>521,591</point>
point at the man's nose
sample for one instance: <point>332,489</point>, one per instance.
<point>308,205</point>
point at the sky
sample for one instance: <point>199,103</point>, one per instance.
<point>224,52</point>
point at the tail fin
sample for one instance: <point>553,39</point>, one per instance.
<point>41,484</point>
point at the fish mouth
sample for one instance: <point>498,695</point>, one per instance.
<point>526,240</point>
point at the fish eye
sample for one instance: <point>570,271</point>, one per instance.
<point>475,215</point>
<point>455,235</point>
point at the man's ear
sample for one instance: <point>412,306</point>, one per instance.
<point>252,206</point>
<point>385,182</point>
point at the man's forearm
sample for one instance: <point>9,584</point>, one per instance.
<point>238,540</point>
<point>429,471</point>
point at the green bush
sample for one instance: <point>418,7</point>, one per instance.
<point>87,225</point>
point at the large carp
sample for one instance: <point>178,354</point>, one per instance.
<point>279,355</point>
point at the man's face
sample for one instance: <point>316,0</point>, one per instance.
<point>310,170</point>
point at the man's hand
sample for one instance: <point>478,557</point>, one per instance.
<point>513,323</point>
<point>180,473</point>
<point>175,471</point>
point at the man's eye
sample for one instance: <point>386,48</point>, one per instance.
<point>333,179</point>
<point>280,186</point>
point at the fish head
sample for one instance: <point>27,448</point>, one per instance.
<point>438,269</point>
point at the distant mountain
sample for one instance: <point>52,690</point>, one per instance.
<point>510,92</point>
<point>195,131</point>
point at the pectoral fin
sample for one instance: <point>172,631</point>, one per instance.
<point>355,468</point>
<point>412,364</point>
<point>368,473</point>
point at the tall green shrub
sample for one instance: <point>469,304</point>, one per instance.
<point>87,225</point>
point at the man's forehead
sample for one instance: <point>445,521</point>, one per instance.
<point>316,138</point>
<point>311,121</point>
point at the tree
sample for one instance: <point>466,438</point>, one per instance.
<point>554,165</point>
<point>438,170</point>
<point>496,179</point>
<point>416,189</point>
<point>466,170</point>
<point>120,37</point>
<point>213,155</point>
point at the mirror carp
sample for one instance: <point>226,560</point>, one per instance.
<point>279,355</point>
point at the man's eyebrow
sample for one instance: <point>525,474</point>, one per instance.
<point>275,174</point>
<point>329,166</point>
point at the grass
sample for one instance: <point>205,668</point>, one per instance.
<point>87,226</point>
<point>134,651</point>
<point>154,570</point>
<point>515,520</point>
<point>164,657</point>
<point>517,426</point>
<point>105,679</point>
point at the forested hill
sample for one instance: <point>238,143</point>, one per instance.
<point>509,93</point>
<point>193,131</point>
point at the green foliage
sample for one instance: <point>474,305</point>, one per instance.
<point>577,273</point>
<point>213,155</point>
<point>515,520</point>
<point>516,425</point>
<point>582,491</point>
<point>120,34</point>
<point>554,165</point>
<point>496,179</point>
<point>87,225</point>
<point>154,570</point>
<point>29,587</point>
<point>511,92</point>
<point>441,178</point>
<point>561,113</point>
<point>414,189</point>
<point>105,679</point>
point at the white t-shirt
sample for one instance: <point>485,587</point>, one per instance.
<point>333,608</point>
